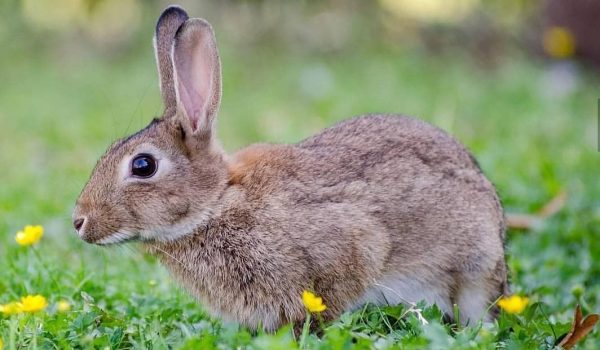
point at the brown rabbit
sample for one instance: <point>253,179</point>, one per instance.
<point>379,208</point>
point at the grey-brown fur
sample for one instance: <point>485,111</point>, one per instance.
<point>374,200</point>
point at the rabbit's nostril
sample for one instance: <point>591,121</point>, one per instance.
<point>77,223</point>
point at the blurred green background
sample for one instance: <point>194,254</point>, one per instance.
<point>513,80</point>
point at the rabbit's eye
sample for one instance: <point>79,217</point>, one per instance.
<point>143,165</point>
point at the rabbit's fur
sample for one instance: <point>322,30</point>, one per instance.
<point>379,208</point>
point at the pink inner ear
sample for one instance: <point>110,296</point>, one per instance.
<point>196,64</point>
<point>194,103</point>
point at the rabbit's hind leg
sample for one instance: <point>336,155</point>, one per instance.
<point>475,300</point>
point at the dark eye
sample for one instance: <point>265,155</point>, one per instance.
<point>143,165</point>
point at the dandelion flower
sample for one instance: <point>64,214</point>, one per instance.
<point>312,302</point>
<point>33,303</point>
<point>30,235</point>
<point>559,42</point>
<point>513,304</point>
<point>11,308</point>
<point>63,306</point>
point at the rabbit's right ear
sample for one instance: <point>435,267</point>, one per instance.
<point>197,75</point>
<point>168,23</point>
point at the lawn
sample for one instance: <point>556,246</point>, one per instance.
<point>59,112</point>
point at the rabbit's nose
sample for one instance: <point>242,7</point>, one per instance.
<point>78,223</point>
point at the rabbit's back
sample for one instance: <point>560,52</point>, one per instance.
<point>397,146</point>
<point>400,170</point>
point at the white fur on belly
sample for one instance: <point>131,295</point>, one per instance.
<point>392,290</point>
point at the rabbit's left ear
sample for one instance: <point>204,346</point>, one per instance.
<point>197,74</point>
<point>169,22</point>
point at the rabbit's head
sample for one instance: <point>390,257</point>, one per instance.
<point>160,183</point>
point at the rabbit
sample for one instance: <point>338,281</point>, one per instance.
<point>381,209</point>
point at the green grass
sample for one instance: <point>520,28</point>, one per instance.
<point>58,115</point>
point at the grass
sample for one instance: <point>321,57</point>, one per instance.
<point>58,114</point>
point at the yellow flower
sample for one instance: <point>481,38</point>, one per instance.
<point>33,303</point>
<point>1,344</point>
<point>30,235</point>
<point>312,302</point>
<point>513,304</point>
<point>11,308</point>
<point>63,306</point>
<point>559,42</point>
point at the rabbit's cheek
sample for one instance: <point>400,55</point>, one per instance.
<point>177,209</point>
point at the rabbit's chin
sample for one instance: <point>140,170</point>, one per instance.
<point>117,238</point>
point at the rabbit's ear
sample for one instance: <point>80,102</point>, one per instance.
<point>171,19</point>
<point>197,74</point>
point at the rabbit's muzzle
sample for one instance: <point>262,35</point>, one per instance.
<point>99,227</point>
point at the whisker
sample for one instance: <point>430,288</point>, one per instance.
<point>131,251</point>
<point>172,257</point>
<point>137,107</point>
